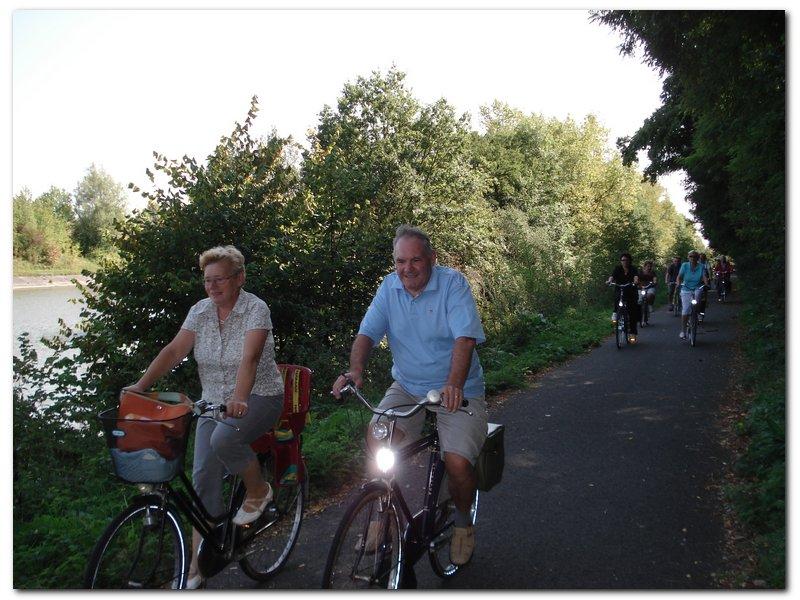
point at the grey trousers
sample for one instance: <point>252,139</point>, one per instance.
<point>219,448</point>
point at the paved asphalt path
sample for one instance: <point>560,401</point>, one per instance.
<point>609,461</point>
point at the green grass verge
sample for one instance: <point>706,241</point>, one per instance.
<point>760,497</point>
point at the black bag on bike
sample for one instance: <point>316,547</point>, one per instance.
<point>491,460</point>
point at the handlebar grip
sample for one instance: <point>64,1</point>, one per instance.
<point>464,402</point>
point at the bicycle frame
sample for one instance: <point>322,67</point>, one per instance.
<point>191,506</point>
<point>419,527</point>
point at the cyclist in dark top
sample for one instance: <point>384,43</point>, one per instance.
<point>646,277</point>
<point>623,273</point>
<point>670,278</point>
<point>722,272</point>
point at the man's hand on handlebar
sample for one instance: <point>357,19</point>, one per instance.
<point>343,379</point>
<point>452,397</point>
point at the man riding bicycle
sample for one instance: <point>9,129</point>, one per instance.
<point>690,277</point>
<point>671,278</point>
<point>429,316</point>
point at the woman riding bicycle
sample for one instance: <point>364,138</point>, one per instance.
<point>691,276</point>
<point>646,277</point>
<point>231,334</point>
<point>624,273</point>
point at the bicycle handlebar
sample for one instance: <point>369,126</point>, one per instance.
<point>200,408</point>
<point>433,398</point>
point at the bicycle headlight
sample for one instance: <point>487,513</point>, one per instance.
<point>380,430</point>
<point>620,302</point>
<point>384,458</point>
<point>694,301</point>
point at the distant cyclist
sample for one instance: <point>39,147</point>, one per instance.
<point>624,273</point>
<point>722,272</point>
<point>646,277</point>
<point>690,277</point>
<point>670,278</point>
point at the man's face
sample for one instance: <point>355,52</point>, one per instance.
<point>676,261</point>
<point>412,265</point>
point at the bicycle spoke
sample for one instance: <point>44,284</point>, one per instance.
<point>142,549</point>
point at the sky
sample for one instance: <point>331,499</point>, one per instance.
<point>110,87</point>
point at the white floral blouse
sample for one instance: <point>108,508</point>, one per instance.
<point>218,350</point>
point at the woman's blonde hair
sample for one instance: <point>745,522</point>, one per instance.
<point>218,253</point>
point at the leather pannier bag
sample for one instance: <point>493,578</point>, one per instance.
<point>491,460</point>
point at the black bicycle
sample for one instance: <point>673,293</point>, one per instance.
<point>146,546</point>
<point>723,283</point>
<point>644,319</point>
<point>378,540</point>
<point>677,303</point>
<point>694,316</point>
<point>622,324</point>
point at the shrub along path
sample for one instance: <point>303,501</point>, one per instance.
<point>612,466</point>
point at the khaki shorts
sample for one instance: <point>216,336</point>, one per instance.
<point>459,432</point>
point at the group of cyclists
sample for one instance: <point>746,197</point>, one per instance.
<point>684,281</point>
<point>428,314</point>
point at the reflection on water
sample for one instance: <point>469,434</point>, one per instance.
<point>37,311</point>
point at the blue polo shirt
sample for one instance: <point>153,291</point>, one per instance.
<point>422,330</point>
<point>690,279</point>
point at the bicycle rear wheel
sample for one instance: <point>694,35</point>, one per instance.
<point>277,530</point>
<point>367,550</point>
<point>143,548</point>
<point>439,547</point>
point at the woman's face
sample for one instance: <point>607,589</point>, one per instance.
<point>625,262</point>
<point>222,282</point>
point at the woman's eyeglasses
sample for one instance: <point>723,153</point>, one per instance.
<point>218,280</point>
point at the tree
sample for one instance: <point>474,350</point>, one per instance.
<point>99,203</point>
<point>379,159</point>
<point>41,229</point>
<point>722,121</point>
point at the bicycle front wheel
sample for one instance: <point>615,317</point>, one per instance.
<point>269,548</point>
<point>143,548</point>
<point>367,549</point>
<point>625,327</point>
<point>439,548</point>
<point>619,329</point>
<point>693,332</point>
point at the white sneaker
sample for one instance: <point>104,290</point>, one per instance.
<point>682,335</point>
